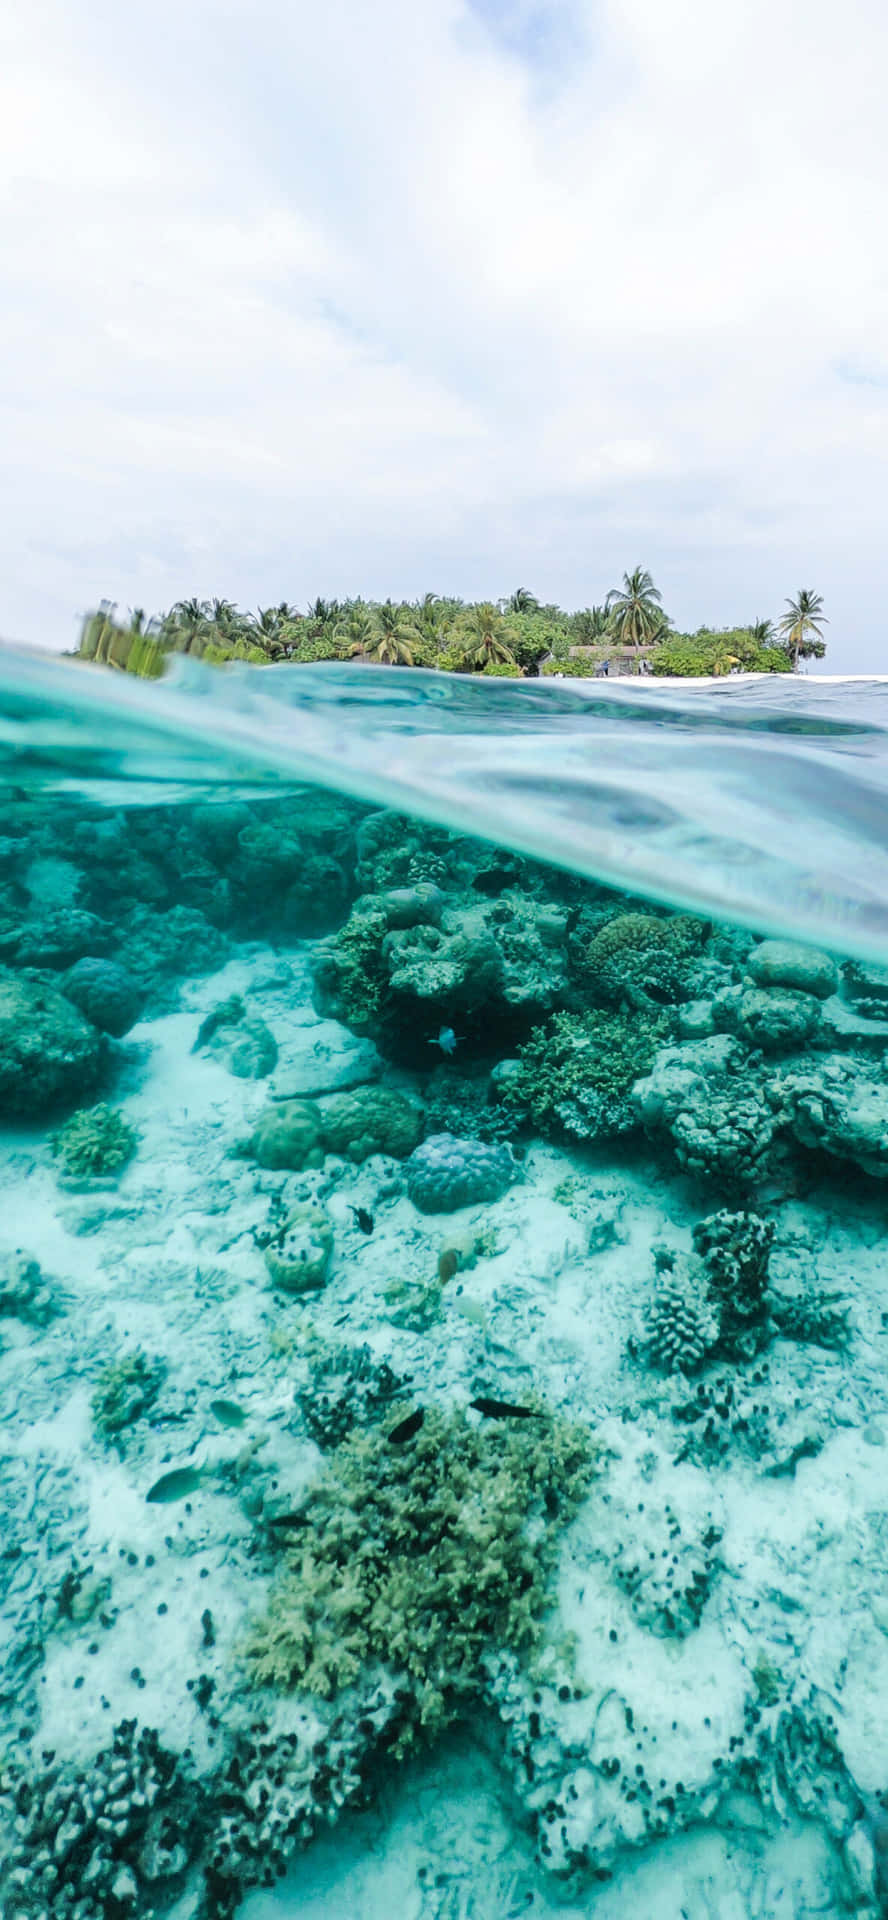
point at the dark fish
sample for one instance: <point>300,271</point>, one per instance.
<point>363,1219</point>
<point>504,1410</point>
<point>228,1413</point>
<point>448,1265</point>
<point>174,1486</point>
<point>406,1429</point>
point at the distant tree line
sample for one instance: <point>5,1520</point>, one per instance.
<point>510,637</point>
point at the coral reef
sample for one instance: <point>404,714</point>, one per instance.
<point>25,1293</point>
<point>95,1142</point>
<point>125,1391</point>
<point>446,1173</point>
<point>298,1257</point>
<point>288,1137</point>
<point>682,1323</point>
<point>422,1557</point>
<point>786,963</point>
<point>238,1040</point>
<point>370,1120</point>
<point>49,1055</point>
<point>109,996</point>
<point>734,1249</point>
<point>348,1388</point>
<point>641,960</point>
<point>577,1073</point>
<point>113,1840</point>
<point>713,1107</point>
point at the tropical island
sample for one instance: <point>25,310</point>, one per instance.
<point>628,633</point>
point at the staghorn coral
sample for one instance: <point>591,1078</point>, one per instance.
<point>95,1142</point>
<point>577,1073</point>
<point>422,1558</point>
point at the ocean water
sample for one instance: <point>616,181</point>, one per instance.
<point>443,1297</point>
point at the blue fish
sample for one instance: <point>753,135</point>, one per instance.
<point>446,1040</point>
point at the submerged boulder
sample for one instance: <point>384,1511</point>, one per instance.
<point>787,963</point>
<point>49,1054</point>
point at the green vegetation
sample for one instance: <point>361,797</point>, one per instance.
<point>801,625</point>
<point>424,1556</point>
<point>95,1141</point>
<point>515,635</point>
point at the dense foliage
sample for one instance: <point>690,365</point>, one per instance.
<point>511,637</point>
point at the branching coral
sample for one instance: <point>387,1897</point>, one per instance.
<point>682,1324</point>
<point>95,1141</point>
<point>423,1557</point>
<point>578,1071</point>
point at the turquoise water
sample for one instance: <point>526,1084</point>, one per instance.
<point>443,1299</point>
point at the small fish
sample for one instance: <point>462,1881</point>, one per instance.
<point>448,1265</point>
<point>406,1429</point>
<point>174,1486</point>
<point>446,1039</point>
<point>228,1413</point>
<point>363,1219</point>
<point>503,1409</point>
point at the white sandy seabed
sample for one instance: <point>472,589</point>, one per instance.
<point>166,1261</point>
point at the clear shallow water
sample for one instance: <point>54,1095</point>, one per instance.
<point>443,1298</point>
<point>764,801</point>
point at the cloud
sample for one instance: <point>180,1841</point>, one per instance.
<point>385,298</point>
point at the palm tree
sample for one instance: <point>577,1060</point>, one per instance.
<point>187,626</point>
<point>487,636</point>
<point>432,618</point>
<point>635,614</point>
<point>762,632</point>
<point>590,624</point>
<point>357,632</point>
<point>521,601</point>
<point>801,625</point>
<point>396,632</point>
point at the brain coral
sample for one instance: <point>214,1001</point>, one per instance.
<point>446,1173</point>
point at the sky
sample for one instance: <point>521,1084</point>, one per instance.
<point>456,296</point>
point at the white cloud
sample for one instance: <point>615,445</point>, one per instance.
<point>297,301</point>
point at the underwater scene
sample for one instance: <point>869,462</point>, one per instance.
<point>443,1299</point>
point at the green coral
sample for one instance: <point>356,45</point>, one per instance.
<point>125,1391</point>
<point>640,959</point>
<point>577,1072</point>
<point>371,1120</point>
<point>95,1141</point>
<point>299,1256</point>
<point>424,1556</point>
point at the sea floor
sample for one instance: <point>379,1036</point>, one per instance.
<point>779,1528</point>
